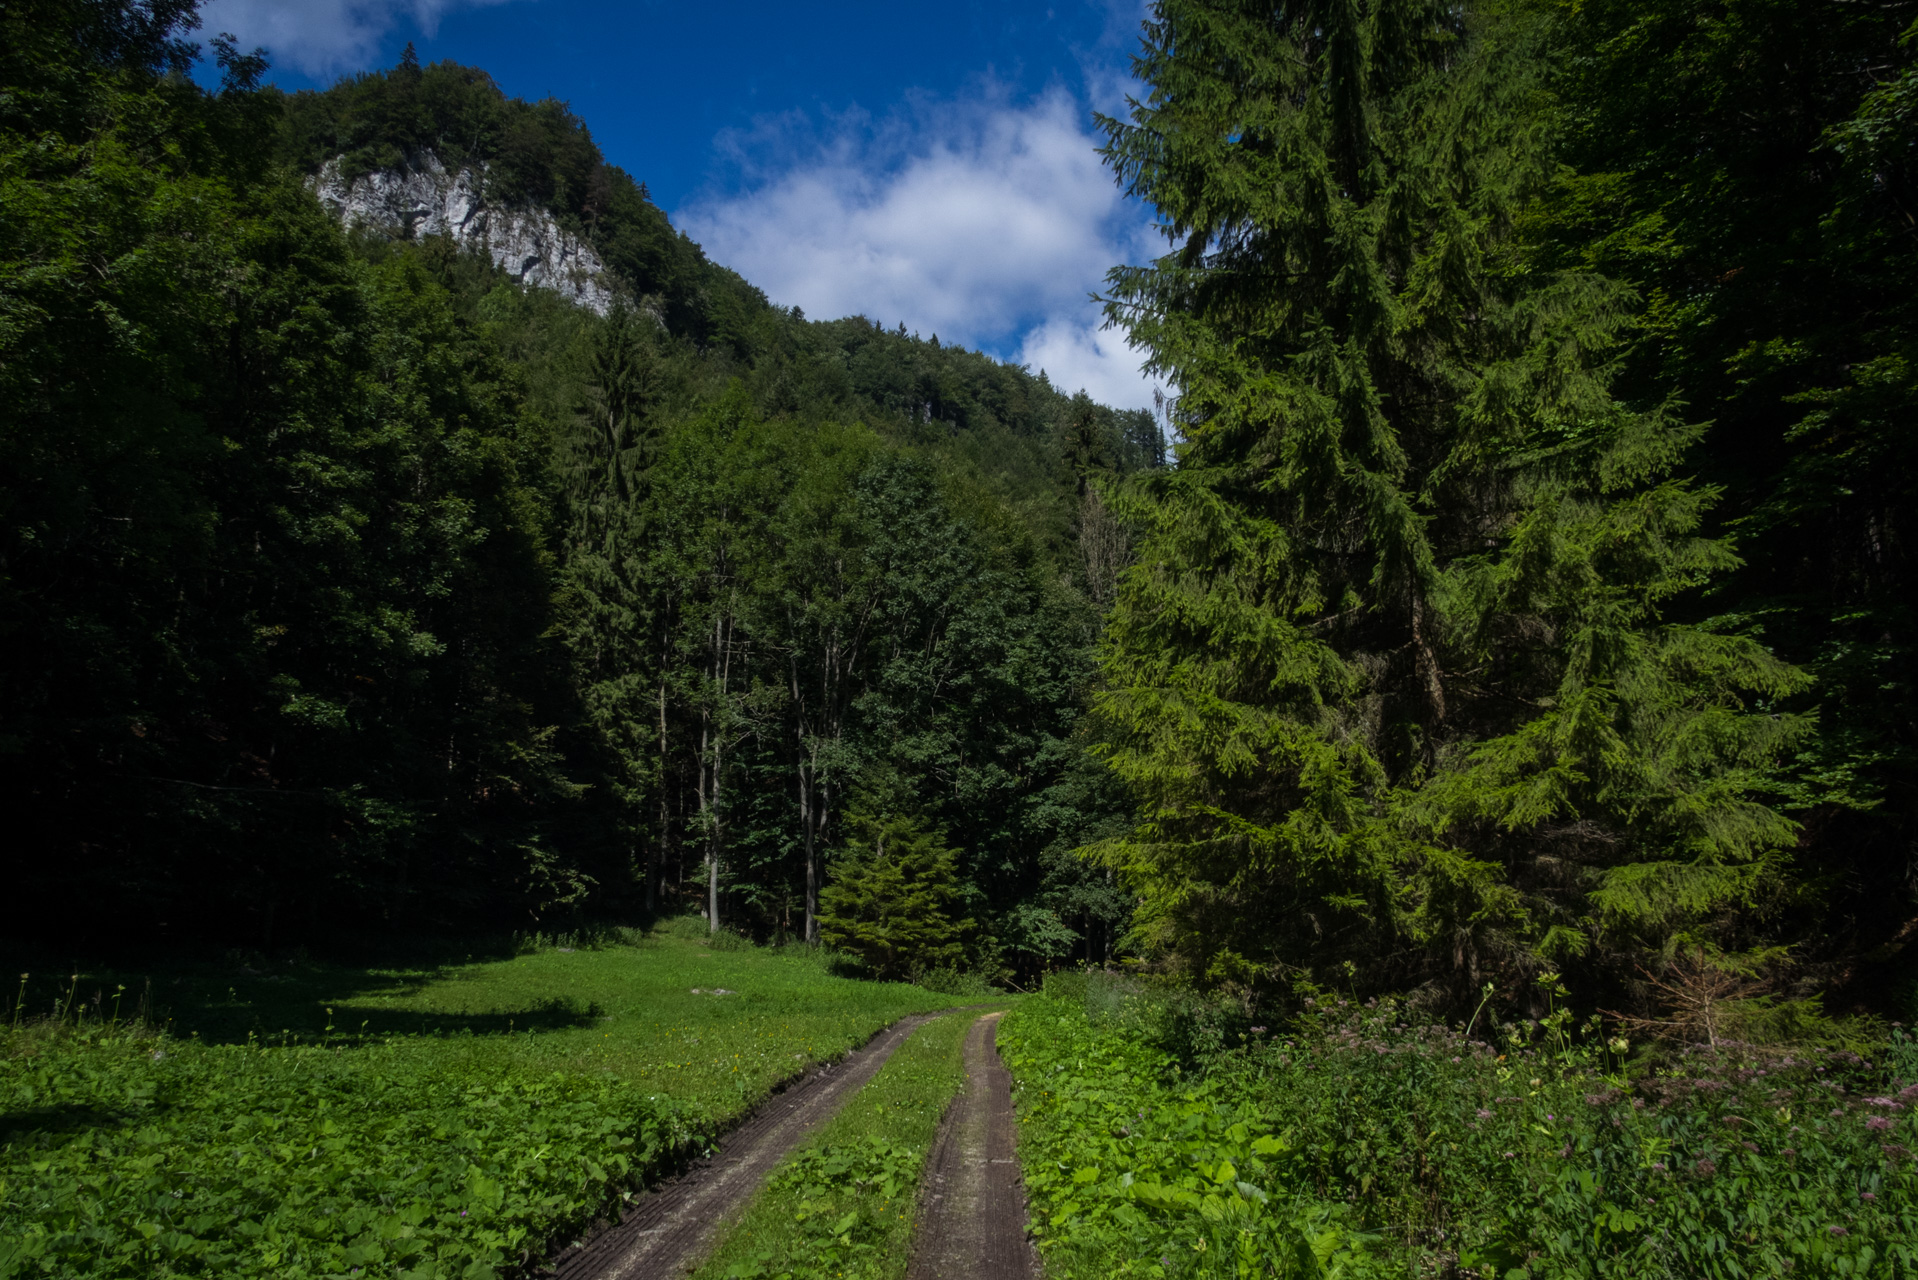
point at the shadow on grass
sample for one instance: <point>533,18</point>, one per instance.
<point>553,1014</point>
<point>279,1000</point>
<point>57,1121</point>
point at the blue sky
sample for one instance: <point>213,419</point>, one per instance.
<point>931,164</point>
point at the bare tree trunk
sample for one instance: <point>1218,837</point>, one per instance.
<point>802,778</point>
<point>812,860</point>
<point>722,672</point>
<point>821,807</point>
<point>712,891</point>
<point>705,809</point>
<point>656,860</point>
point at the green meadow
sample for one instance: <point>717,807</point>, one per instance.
<point>305,1120</point>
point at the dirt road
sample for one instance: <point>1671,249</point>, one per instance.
<point>669,1229</point>
<point>972,1208</point>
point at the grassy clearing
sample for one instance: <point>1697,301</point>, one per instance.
<point>842,1205</point>
<point>308,1121</point>
<point>1363,1142</point>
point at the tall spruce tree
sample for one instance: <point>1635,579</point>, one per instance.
<point>1394,676</point>
<point>1749,169</point>
<point>612,610</point>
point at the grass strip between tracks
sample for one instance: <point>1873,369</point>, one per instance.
<point>841,1206</point>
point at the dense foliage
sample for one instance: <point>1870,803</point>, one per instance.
<point>1525,618</point>
<point>1364,1141</point>
<point>276,596</point>
<point>348,583</point>
<point>1438,661</point>
<point>1748,170</point>
<point>1529,590</point>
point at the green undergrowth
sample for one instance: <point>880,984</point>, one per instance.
<point>841,1207</point>
<point>306,1121</point>
<point>1363,1141</point>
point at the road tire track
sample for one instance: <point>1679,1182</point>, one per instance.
<point>669,1229</point>
<point>972,1200</point>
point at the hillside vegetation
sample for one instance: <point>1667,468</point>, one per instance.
<point>378,592</point>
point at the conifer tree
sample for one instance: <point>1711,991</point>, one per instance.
<point>893,900</point>
<point>610,452</point>
<point>1396,676</point>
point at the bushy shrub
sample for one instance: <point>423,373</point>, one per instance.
<point>690,928</point>
<point>694,928</point>
<point>1391,1141</point>
<point>587,937</point>
<point>724,939</point>
<point>1189,1026</point>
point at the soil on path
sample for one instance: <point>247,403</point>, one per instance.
<point>972,1211</point>
<point>668,1230</point>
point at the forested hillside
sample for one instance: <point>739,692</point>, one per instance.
<point>1529,594</point>
<point>351,586</point>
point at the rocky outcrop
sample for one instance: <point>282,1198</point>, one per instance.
<point>422,199</point>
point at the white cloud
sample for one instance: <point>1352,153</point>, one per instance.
<point>1106,64</point>
<point>1081,356</point>
<point>321,37</point>
<point>986,221</point>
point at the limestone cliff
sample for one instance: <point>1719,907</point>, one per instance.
<point>421,198</point>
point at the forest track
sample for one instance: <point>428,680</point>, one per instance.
<point>972,1201</point>
<point>669,1228</point>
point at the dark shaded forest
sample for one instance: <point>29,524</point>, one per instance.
<point>352,587</point>
<point>1518,584</point>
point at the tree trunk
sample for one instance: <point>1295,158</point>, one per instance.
<point>802,777</point>
<point>705,813</point>
<point>812,861</point>
<point>722,673</point>
<point>656,860</point>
